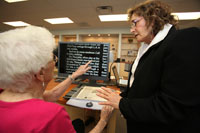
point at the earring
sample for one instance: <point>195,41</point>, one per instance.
<point>43,84</point>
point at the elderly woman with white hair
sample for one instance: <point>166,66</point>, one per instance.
<point>26,68</point>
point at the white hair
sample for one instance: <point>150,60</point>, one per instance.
<point>23,52</point>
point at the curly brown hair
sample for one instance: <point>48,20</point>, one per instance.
<point>155,12</point>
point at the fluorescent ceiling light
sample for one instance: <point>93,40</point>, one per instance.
<point>59,20</point>
<point>12,1</point>
<point>187,15</point>
<point>116,17</point>
<point>16,23</point>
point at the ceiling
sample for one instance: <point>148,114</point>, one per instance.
<point>82,12</point>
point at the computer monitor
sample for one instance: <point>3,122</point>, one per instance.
<point>73,54</point>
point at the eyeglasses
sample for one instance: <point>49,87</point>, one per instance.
<point>55,58</point>
<point>134,22</point>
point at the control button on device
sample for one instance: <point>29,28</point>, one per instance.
<point>89,104</point>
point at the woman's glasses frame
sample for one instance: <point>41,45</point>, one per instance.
<point>55,58</point>
<point>134,22</point>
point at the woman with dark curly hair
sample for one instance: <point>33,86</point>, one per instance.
<point>163,93</point>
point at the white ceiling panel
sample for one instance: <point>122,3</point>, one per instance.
<point>82,12</point>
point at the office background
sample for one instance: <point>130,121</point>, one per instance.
<point>84,13</point>
<point>87,26</point>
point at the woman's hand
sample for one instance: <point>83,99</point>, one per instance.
<point>106,113</point>
<point>112,97</point>
<point>81,70</point>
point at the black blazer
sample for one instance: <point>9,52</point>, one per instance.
<point>165,94</point>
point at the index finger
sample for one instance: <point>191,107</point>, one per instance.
<point>88,63</point>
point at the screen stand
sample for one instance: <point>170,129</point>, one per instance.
<point>92,82</point>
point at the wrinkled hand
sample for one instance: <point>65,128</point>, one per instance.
<point>112,97</point>
<point>81,70</point>
<point>106,112</point>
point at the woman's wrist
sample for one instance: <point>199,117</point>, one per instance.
<point>99,127</point>
<point>74,75</point>
<point>71,78</point>
<point>103,121</point>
